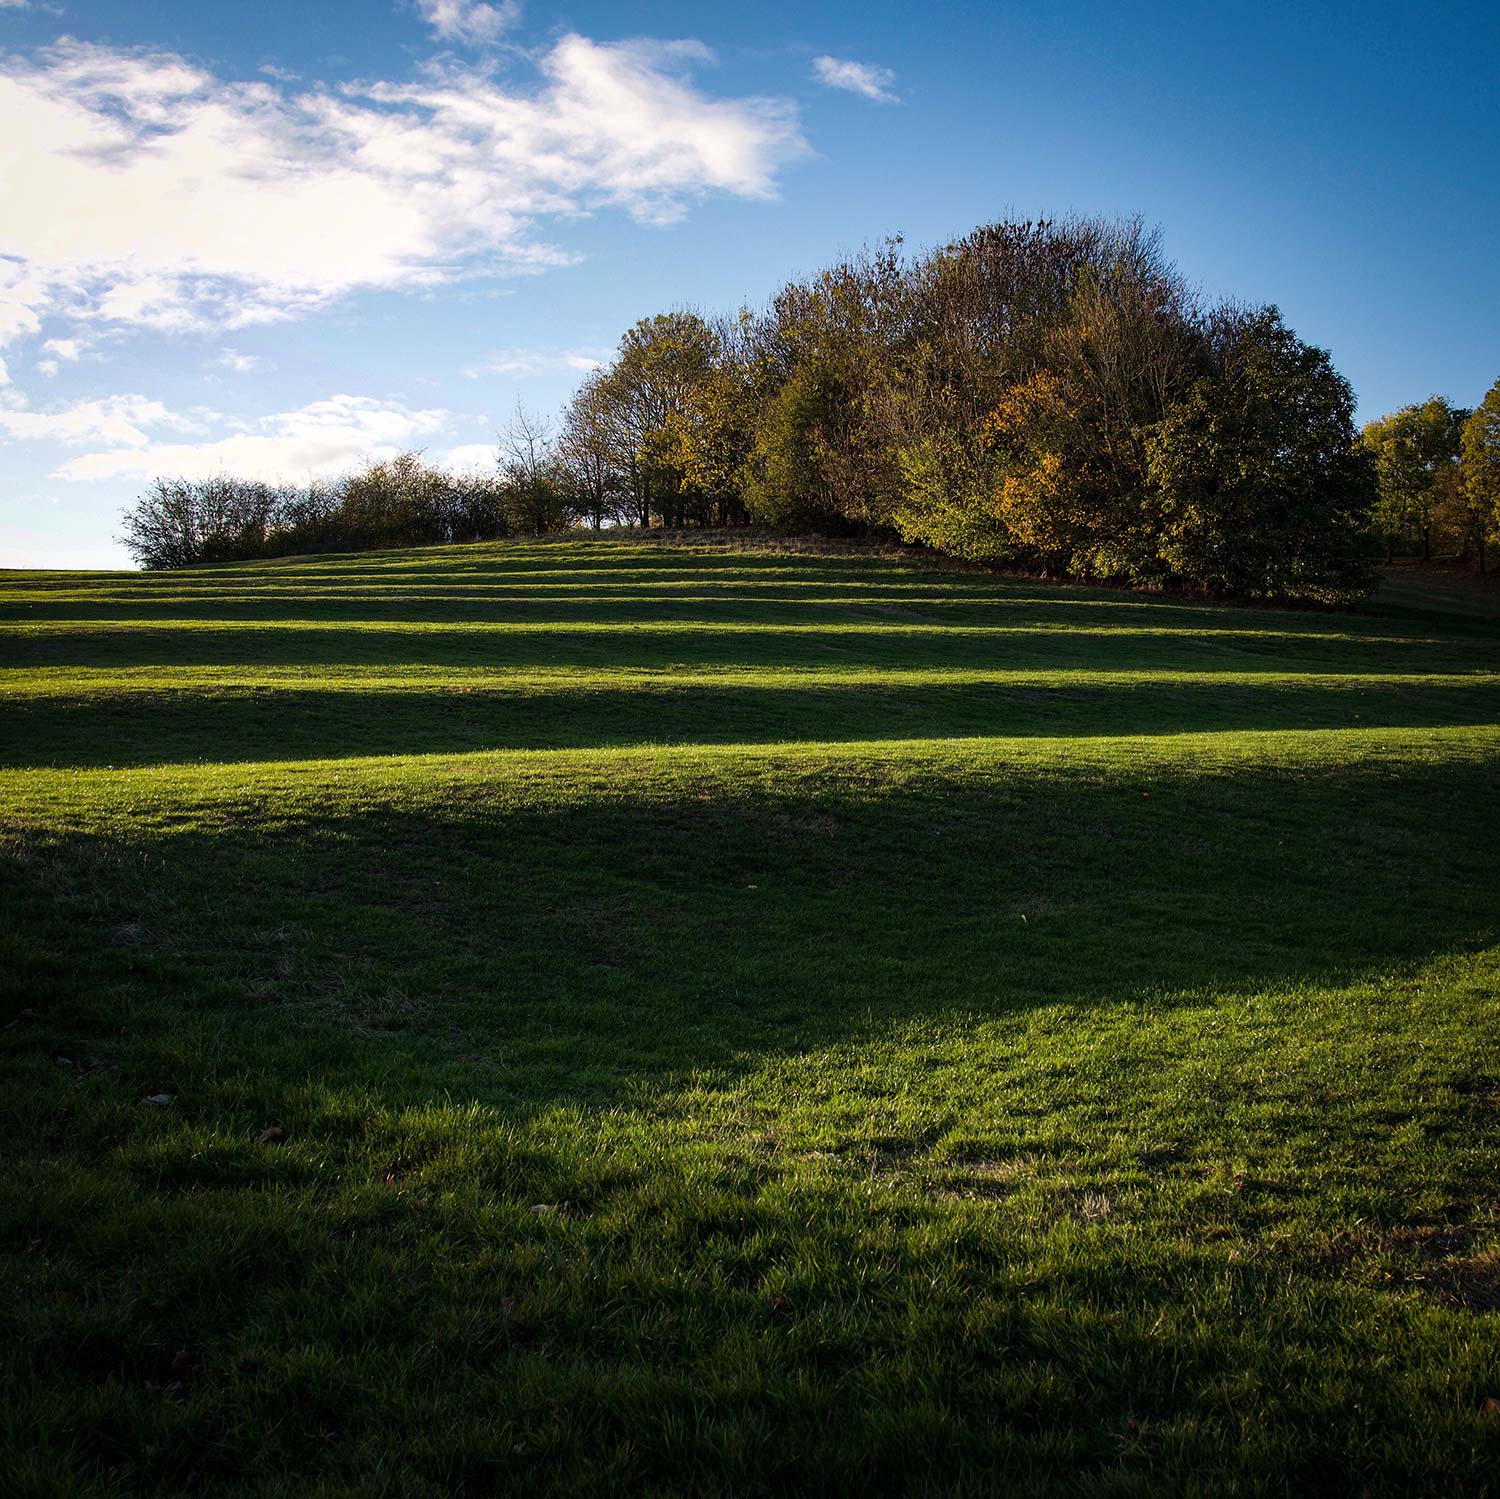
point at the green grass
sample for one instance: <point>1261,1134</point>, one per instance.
<point>743,1022</point>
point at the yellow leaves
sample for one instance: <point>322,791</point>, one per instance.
<point>1022,410</point>
<point>1033,503</point>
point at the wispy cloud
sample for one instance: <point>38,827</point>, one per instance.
<point>240,364</point>
<point>864,78</point>
<point>533,362</point>
<point>323,438</point>
<point>469,21</point>
<point>377,185</point>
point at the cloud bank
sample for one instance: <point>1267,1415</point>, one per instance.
<point>318,440</point>
<point>141,191</point>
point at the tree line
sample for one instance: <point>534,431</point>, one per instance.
<point>1051,396</point>
<point>1438,478</point>
<point>396,502</point>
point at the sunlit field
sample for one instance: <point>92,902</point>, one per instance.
<point>594,1015</point>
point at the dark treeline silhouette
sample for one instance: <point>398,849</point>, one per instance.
<point>1046,396</point>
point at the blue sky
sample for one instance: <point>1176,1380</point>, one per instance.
<point>281,237</point>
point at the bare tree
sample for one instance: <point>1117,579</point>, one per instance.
<point>531,474</point>
<point>590,457</point>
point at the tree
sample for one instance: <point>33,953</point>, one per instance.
<point>1413,448</point>
<point>1043,354</point>
<point>590,461</point>
<point>531,477</point>
<point>826,442</point>
<point>393,502</point>
<point>1479,472</point>
<point>161,529</point>
<point>651,392</point>
<point>1256,479</point>
<point>180,522</point>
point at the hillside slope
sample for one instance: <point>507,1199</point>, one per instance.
<point>663,1017</point>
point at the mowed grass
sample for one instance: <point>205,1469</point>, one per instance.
<point>666,1019</point>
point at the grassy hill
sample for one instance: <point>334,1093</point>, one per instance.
<point>678,1018</point>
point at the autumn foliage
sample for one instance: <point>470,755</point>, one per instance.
<point>1044,396</point>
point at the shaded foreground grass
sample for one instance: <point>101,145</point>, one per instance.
<point>941,1069</point>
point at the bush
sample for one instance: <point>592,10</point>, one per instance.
<point>388,503</point>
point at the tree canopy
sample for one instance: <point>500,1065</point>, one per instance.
<point>1414,450</point>
<point>1051,396</point>
<point>1044,395</point>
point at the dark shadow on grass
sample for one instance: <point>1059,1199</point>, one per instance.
<point>237,724</point>
<point>646,646</point>
<point>355,1307</point>
<point>704,601</point>
<point>497,939</point>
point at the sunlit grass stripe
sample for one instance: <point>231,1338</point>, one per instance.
<point>647,773</point>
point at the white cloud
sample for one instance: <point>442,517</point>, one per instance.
<point>469,457</point>
<point>120,419</point>
<point>142,191</point>
<point>240,364</point>
<point>532,362</point>
<point>468,20</point>
<point>864,78</point>
<point>64,351</point>
<point>22,294</point>
<point>324,438</point>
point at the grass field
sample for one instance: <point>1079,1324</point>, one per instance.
<point>671,1019</point>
